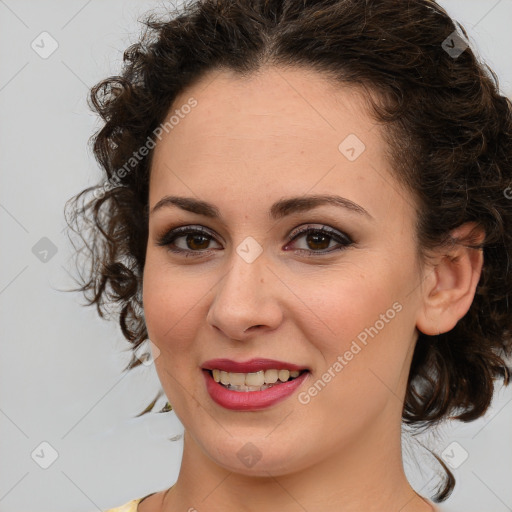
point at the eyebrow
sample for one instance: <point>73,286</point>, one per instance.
<point>278,210</point>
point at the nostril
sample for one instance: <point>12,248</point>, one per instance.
<point>252,327</point>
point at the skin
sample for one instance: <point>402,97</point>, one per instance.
<point>248,143</point>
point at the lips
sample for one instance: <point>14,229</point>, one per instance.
<point>252,400</point>
<point>252,366</point>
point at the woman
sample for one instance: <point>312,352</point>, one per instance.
<point>305,211</point>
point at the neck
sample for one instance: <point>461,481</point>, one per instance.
<point>365,474</point>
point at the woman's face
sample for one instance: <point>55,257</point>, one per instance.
<point>340,304</point>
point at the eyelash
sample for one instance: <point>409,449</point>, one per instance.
<point>170,237</point>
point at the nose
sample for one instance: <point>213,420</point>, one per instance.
<point>246,300</point>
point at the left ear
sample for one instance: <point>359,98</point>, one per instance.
<point>452,278</point>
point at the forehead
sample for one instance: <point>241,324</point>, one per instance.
<point>295,105</point>
<point>279,131</point>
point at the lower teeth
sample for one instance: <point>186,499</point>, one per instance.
<point>250,388</point>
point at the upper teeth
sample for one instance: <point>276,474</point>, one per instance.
<point>253,379</point>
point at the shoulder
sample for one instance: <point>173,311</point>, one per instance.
<point>131,506</point>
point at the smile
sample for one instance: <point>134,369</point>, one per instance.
<point>254,398</point>
<point>251,385</point>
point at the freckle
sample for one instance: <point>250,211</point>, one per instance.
<point>261,280</point>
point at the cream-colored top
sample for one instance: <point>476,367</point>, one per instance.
<point>131,506</point>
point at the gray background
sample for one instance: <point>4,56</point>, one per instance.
<point>60,370</point>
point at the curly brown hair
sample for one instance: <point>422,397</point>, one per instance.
<point>449,133</point>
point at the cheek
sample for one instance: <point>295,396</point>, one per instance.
<point>172,305</point>
<point>343,304</point>
<point>360,323</point>
<point>363,342</point>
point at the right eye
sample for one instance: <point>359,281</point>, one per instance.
<point>195,240</point>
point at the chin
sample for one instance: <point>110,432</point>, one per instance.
<point>258,457</point>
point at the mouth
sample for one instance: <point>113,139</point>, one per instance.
<point>251,385</point>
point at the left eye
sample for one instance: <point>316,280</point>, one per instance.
<point>321,238</point>
<point>318,240</point>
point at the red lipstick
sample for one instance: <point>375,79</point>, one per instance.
<point>251,400</point>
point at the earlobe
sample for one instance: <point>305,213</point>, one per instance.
<point>449,288</point>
